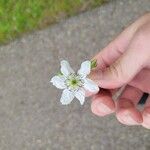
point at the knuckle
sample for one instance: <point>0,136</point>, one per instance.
<point>118,72</point>
<point>104,62</point>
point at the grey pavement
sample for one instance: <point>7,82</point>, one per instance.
<point>31,116</point>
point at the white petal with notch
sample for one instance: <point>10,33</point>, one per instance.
<point>80,95</point>
<point>85,68</point>
<point>90,85</point>
<point>58,81</point>
<point>66,97</point>
<point>65,68</point>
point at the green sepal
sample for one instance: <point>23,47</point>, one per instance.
<point>59,73</point>
<point>93,63</point>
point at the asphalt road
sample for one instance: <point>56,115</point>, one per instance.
<point>31,116</point>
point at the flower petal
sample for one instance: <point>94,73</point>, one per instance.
<point>58,82</point>
<point>85,68</point>
<point>66,97</point>
<point>65,68</point>
<point>80,95</point>
<point>90,85</point>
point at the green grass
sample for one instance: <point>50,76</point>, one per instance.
<point>21,16</point>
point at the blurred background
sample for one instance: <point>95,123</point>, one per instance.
<point>34,36</point>
<point>22,16</point>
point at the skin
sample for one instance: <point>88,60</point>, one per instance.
<point>125,62</point>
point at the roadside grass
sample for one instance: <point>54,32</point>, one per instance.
<point>22,16</point>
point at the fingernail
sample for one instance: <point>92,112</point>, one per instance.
<point>129,120</point>
<point>103,108</point>
<point>146,118</point>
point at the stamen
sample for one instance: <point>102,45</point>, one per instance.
<point>74,82</point>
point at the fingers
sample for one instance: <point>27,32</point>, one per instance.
<point>124,58</point>
<point>113,50</point>
<point>102,103</point>
<point>108,55</point>
<point>120,72</point>
<point>118,46</point>
<point>126,112</point>
<point>146,114</point>
<point>142,80</point>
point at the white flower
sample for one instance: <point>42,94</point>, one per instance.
<point>74,84</point>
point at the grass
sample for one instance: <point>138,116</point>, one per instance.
<point>21,16</point>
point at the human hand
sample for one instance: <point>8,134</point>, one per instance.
<point>125,62</point>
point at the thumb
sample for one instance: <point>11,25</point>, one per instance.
<point>121,71</point>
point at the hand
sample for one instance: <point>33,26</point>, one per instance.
<point>125,62</point>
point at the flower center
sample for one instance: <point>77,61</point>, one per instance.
<point>74,82</point>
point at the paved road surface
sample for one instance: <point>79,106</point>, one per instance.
<point>31,116</point>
